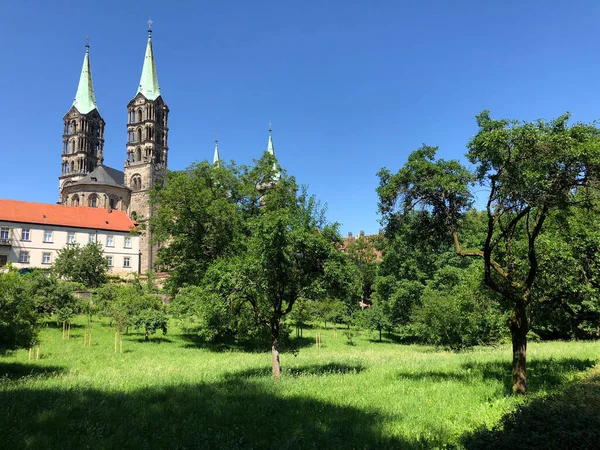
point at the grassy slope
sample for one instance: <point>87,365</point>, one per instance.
<point>178,395</point>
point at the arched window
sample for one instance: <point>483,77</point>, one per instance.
<point>136,182</point>
<point>75,200</point>
<point>68,130</point>
<point>72,166</point>
<point>139,135</point>
<point>139,115</point>
<point>74,126</point>
<point>113,203</point>
<point>93,201</point>
<point>133,215</point>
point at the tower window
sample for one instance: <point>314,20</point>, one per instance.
<point>139,135</point>
<point>136,182</point>
<point>138,154</point>
<point>139,115</point>
<point>93,202</point>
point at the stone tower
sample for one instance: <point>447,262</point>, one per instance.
<point>147,150</point>
<point>83,136</point>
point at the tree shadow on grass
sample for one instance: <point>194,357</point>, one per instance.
<point>257,345</point>
<point>332,368</point>
<point>235,413</point>
<point>542,374</point>
<point>16,371</point>
<point>568,419</point>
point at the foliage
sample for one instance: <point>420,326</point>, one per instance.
<point>249,239</point>
<point>134,304</point>
<point>455,310</point>
<point>86,265</point>
<point>18,318</point>
<point>530,170</point>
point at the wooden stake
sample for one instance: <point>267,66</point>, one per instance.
<point>90,339</point>
<point>121,346</point>
<point>84,339</point>
<point>30,349</point>
<point>37,356</point>
<point>64,326</point>
<point>69,331</point>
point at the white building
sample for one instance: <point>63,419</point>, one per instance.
<point>32,233</point>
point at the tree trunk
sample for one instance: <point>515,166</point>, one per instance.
<point>276,364</point>
<point>519,327</point>
<point>147,337</point>
<point>379,334</point>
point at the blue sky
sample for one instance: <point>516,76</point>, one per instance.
<point>349,86</point>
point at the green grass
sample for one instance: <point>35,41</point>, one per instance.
<point>177,394</point>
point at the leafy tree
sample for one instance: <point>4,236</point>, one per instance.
<point>248,236</point>
<point>199,219</point>
<point>530,170</point>
<point>18,317</point>
<point>567,291</point>
<point>363,251</point>
<point>132,305</point>
<point>86,265</point>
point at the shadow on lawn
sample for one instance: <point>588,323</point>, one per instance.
<point>541,373</point>
<point>235,413</point>
<point>15,371</point>
<point>332,368</point>
<point>569,419</point>
<point>246,346</point>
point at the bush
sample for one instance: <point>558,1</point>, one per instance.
<point>18,315</point>
<point>457,312</point>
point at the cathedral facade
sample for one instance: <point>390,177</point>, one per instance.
<point>86,181</point>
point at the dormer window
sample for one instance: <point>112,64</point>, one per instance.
<point>94,179</point>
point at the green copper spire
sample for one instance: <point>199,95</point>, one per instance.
<point>85,101</point>
<point>216,159</point>
<point>149,81</point>
<point>271,150</point>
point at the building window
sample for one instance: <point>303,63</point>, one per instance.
<point>47,236</point>
<point>71,237</point>
<point>127,242</point>
<point>24,257</point>
<point>4,233</point>
<point>126,261</point>
<point>110,241</point>
<point>25,234</point>
<point>113,203</point>
<point>92,238</point>
<point>94,201</point>
<point>3,260</point>
<point>46,258</point>
<point>109,261</point>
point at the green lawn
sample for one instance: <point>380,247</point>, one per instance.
<point>176,394</point>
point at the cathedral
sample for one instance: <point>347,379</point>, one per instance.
<point>86,181</point>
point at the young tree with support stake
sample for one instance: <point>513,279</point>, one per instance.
<point>530,169</point>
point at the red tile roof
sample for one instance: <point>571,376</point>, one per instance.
<point>66,216</point>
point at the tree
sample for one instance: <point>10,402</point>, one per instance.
<point>86,265</point>
<point>18,317</point>
<point>530,169</point>
<point>199,219</point>
<point>288,256</point>
<point>249,236</point>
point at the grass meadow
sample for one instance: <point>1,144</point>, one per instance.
<point>177,393</point>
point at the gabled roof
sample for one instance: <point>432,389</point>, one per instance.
<point>85,101</point>
<point>149,81</point>
<point>66,216</point>
<point>103,175</point>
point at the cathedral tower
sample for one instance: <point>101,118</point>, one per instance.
<point>147,149</point>
<point>83,136</point>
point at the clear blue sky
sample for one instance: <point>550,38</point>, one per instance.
<point>349,86</point>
